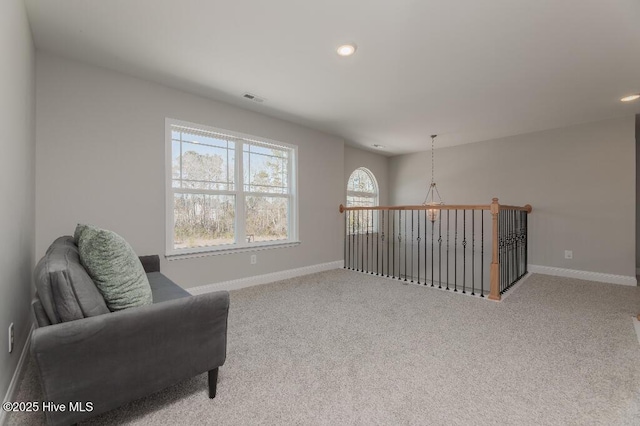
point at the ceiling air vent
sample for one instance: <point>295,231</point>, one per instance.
<point>253,98</point>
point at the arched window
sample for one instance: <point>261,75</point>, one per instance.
<point>362,189</point>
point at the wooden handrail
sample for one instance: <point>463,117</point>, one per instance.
<point>526,207</point>
<point>419,207</point>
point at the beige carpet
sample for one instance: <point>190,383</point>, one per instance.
<point>344,348</point>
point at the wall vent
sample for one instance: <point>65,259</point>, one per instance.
<point>253,97</point>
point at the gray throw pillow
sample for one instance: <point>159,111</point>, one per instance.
<point>114,267</point>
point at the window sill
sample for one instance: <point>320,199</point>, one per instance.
<point>217,252</point>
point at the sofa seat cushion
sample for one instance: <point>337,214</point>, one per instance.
<point>164,289</point>
<point>65,290</point>
<point>114,267</point>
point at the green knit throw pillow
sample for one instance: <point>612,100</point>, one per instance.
<point>114,267</point>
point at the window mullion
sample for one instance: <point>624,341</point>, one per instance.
<point>241,237</point>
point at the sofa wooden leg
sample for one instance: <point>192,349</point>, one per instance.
<point>213,382</point>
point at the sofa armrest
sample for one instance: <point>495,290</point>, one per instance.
<point>114,358</point>
<point>150,263</point>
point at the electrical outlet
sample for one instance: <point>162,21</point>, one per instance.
<point>568,254</point>
<point>11,338</point>
<point>254,259</point>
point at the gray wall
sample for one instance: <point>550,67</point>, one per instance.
<point>101,159</point>
<point>17,103</point>
<point>580,181</point>
<point>378,164</point>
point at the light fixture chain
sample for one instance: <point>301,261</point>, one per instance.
<point>432,160</point>
<point>433,189</point>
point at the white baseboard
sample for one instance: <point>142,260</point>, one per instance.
<point>266,278</point>
<point>584,275</point>
<point>13,385</point>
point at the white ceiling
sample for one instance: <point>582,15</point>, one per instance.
<point>467,70</point>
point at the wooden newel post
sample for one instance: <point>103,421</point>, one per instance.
<point>495,262</point>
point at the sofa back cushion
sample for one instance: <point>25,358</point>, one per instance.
<point>65,289</point>
<point>114,267</point>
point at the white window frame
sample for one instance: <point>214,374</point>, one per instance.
<point>241,243</point>
<point>376,201</point>
<point>364,194</point>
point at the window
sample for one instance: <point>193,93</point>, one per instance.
<point>227,191</point>
<point>362,191</point>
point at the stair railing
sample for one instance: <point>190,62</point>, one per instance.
<point>442,245</point>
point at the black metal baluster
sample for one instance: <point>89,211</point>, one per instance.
<point>393,245</point>
<point>399,244</point>
<point>366,247</point>
<point>511,241</point>
<point>382,239</point>
<point>464,251</point>
<point>514,242</point>
<point>473,252</point>
<point>412,212</point>
<point>432,264</point>
<point>361,240</point>
<point>370,227</point>
<point>389,237</point>
<point>455,257</point>
<point>514,256</point>
<point>516,237</point>
<point>346,237</point>
<point>440,249</point>
<point>353,241</point>
<point>482,253</point>
<point>419,239</point>
<point>405,245</point>
<point>526,243</point>
<point>506,249</point>
<point>509,254</point>
<point>503,257</point>
<point>523,215</point>
<point>500,245</point>
<point>426,244</point>
<point>378,246</point>
<point>374,244</point>
<point>519,244</point>
<point>448,220</point>
<point>503,263</point>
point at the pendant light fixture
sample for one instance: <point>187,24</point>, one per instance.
<point>430,199</point>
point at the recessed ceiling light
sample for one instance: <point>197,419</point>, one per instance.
<point>346,49</point>
<point>630,98</point>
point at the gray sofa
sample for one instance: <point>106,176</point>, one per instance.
<point>85,353</point>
